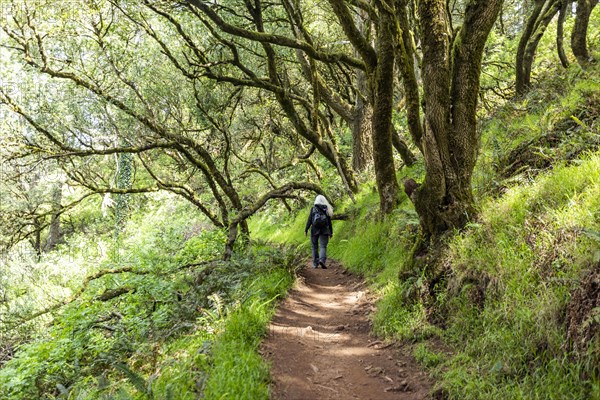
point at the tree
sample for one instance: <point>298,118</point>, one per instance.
<point>451,64</point>
<point>560,47</point>
<point>539,19</point>
<point>541,15</point>
<point>278,80</point>
<point>451,73</point>
<point>359,37</point>
<point>260,49</point>
<point>183,140</point>
<point>579,34</point>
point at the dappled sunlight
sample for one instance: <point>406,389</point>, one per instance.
<point>320,346</point>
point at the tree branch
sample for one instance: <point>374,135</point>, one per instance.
<point>272,38</point>
<point>362,46</point>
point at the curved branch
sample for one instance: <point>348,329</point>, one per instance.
<point>283,191</point>
<point>362,46</point>
<point>17,235</point>
<point>279,193</point>
<point>96,189</point>
<point>186,193</point>
<point>272,38</point>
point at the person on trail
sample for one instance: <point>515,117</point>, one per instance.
<point>319,222</point>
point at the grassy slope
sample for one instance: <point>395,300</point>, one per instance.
<point>510,274</point>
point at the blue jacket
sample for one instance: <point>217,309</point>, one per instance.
<point>327,230</point>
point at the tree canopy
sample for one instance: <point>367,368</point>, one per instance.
<point>232,104</point>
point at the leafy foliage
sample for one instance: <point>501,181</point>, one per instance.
<point>230,105</point>
<point>149,340</point>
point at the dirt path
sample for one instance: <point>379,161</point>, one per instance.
<point>320,348</point>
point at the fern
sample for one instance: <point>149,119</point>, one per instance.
<point>135,379</point>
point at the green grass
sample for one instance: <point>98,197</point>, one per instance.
<point>529,246</point>
<point>237,370</point>
<point>426,357</point>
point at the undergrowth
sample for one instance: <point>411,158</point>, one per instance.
<point>165,319</point>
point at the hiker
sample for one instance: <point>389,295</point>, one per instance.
<point>319,222</point>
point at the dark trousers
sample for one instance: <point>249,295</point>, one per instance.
<point>319,253</point>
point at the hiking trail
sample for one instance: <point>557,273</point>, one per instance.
<point>320,346</point>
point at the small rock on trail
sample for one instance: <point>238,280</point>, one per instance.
<point>320,347</point>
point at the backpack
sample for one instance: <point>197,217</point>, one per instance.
<point>319,218</point>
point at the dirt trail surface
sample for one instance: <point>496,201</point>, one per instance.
<point>320,347</point>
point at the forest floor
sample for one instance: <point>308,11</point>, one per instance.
<point>320,347</point>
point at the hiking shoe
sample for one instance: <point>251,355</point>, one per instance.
<point>322,264</point>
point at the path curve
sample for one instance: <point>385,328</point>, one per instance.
<point>320,348</point>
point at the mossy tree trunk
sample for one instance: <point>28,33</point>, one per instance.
<point>379,71</point>
<point>540,17</point>
<point>383,89</point>
<point>402,148</point>
<point>406,65</point>
<point>362,115</point>
<point>451,76</point>
<point>560,33</point>
<point>579,34</point>
<point>551,9</point>
<point>362,129</point>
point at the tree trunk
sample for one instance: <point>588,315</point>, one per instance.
<point>451,73</point>
<point>579,34</point>
<point>231,238</point>
<point>383,91</point>
<point>560,33</point>
<point>522,79</point>
<point>362,133</point>
<point>406,64</point>
<point>549,11</point>
<point>361,125</point>
<point>401,147</point>
<point>54,232</point>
